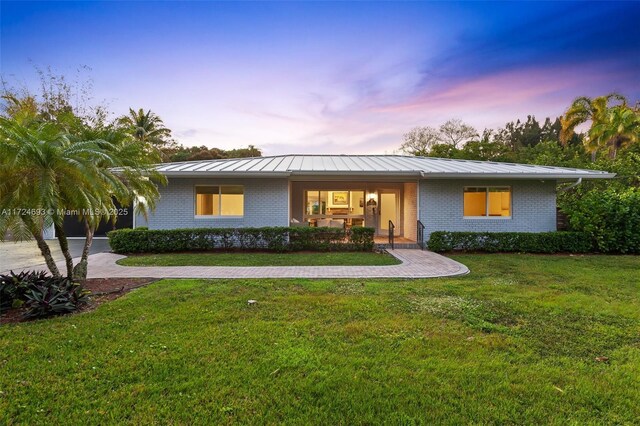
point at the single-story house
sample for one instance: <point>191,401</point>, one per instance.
<point>381,191</point>
<point>397,192</point>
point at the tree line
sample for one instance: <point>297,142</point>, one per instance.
<point>149,127</point>
<point>607,210</point>
<point>614,125</point>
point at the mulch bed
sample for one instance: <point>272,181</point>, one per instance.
<point>102,290</point>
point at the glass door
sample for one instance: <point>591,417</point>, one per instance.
<point>389,212</point>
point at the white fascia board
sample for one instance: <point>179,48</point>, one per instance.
<point>389,175</point>
<point>518,176</point>
<point>359,173</point>
<point>227,174</point>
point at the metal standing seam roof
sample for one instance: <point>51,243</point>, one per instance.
<point>371,165</point>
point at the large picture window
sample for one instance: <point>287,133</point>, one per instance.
<point>222,200</point>
<point>487,201</point>
<point>334,203</point>
<point>334,208</point>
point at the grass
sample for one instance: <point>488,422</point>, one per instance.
<point>514,342</point>
<point>261,259</point>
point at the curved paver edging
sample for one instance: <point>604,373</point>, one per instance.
<point>415,264</point>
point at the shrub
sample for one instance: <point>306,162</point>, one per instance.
<point>277,239</point>
<point>610,218</point>
<point>362,238</point>
<point>41,294</point>
<point>14,286</point>
<point>55,296</point>
<point>527,242</point>
<point>318,239</point>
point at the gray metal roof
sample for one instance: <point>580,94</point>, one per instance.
<point>371,165</point>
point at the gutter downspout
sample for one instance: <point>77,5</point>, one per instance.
<point>573,185</point>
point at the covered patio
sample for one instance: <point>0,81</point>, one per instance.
<point>385,206</point>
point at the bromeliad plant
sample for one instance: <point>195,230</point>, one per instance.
<point>42,295</point>
<point>14,286</point>
<point>56,296</point>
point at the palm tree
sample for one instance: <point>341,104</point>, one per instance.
<point>45,172</point>
<point>24,110</point>
<point>585,109</point>
<point>146,127</point>
<point>621,129</point>
<point>133,180</point>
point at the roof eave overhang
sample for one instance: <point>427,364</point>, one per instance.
<point>202,174</point>
<point>540,176</point>
<point>237,174</point>
<point>388,174</point>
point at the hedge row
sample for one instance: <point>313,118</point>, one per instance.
<point>610,218</point>
<point>525,242</point>
<point>278,239</point>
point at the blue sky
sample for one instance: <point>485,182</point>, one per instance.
<point>329,77</point>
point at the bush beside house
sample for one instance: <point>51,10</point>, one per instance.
<point>610,219</point>
<point>600,221</point>
<point>278,239</point>
<point>492,242</point>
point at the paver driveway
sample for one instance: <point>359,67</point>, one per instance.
<point>25,254</point>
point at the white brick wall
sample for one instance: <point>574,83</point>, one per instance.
<point>266,203</point>
<point>410,210</point>
<point>440,206</point>
<point>533,206</point>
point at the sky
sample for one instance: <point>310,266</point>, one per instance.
<point>327,77</point>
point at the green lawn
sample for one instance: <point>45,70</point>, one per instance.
<point>514,342</point>
<point>260,259</point>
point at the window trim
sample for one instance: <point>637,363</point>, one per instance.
<point>211,216</point>
<point>486,216</point>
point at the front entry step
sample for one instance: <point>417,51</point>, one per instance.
<point>383,246</point>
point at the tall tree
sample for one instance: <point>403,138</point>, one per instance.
<point>620,129</point>
<point>131,180</point>
<point>42,175</point>
<point>593,110</point>
<point>146,127</point>
<point>531,132</point>
<point>46,172</point>
<point>454,132</point>
<point>58,153</point>
<point>23,110</point>
<point>551,130</point>
<point>419,141</point>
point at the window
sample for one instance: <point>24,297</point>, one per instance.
<point>334,203</point>
<point>334,207</point>
<point>223,200</point>
<point>490,201</point>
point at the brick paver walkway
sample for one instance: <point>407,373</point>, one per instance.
<point>415,264</point>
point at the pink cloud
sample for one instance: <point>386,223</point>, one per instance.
<point>506,90</point>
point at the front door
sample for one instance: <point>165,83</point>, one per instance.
<point>388,212</point>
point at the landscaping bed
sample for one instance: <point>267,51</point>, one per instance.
<point>102,290</point>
